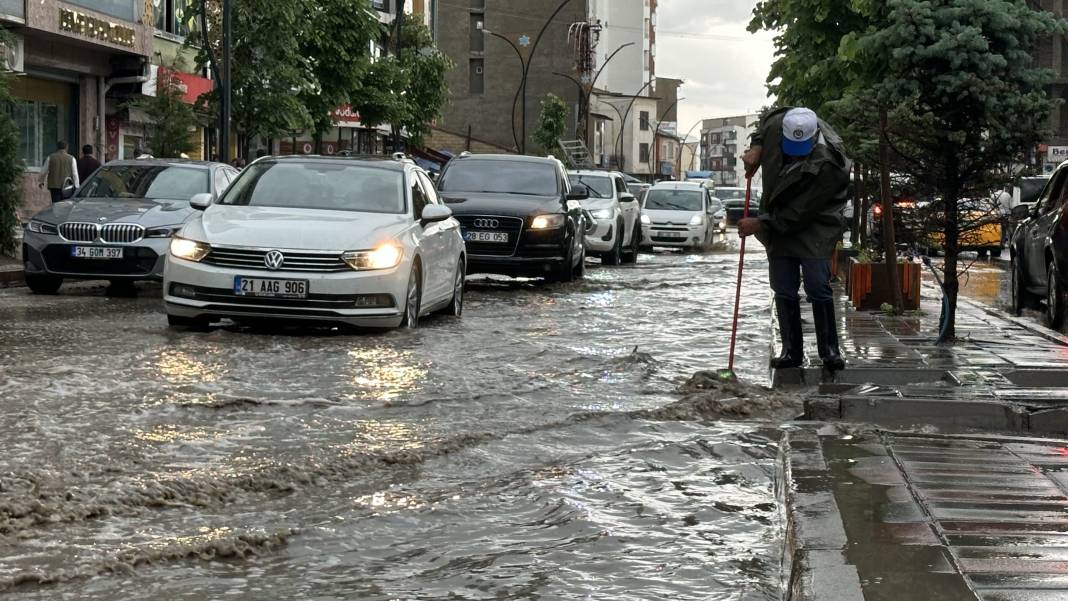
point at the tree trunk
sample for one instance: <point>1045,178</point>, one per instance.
<point>887,201</point>
<point>865,201</point>
<point>952,248</point>
<point>858,191</point>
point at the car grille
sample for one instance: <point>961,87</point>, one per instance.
<point>513,226</point>
<point>136,261</point>
<point>122,233</point>
<point>240,258</point>
<point>111,233</point>
<point>79,232</point>
<point>314,301</point>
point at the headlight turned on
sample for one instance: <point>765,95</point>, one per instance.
<point>547,222</point>
<point>190,250</point>
<point>386,256</point>
<point>602,213</point>
<point>698,219</point>
<point>646,220</point>
<point>40,227</point>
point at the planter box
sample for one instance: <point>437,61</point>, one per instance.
<point>840,263</point>
<point>868,288</point>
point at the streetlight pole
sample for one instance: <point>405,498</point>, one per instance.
<point>586,91</point>
<point>656,133</point>
<point>522,80</point>
<point>623,120</point>
<point>687,137</point>
<point>224,126</point>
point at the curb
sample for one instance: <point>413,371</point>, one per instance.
<point>12,277</point>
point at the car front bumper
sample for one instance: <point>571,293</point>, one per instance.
<point>198,290</point>
<point>46,254</point>
<point>673,236</point>
<point>602,238</point>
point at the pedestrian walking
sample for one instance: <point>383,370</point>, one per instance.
<point>800,220</point>
<point>59,169</point>
<point>87,164</point>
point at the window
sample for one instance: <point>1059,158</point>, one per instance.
<point>429,190</point>
<point>621,186</point>
<point>381,4</point>
<point>15,8</point>
<point>478,4</point>
<point>174,16</point>
<point>643,153</point>
<point>221,182</point>
<point>643,120</point>
<point>123,9</point>
<point>419,200</point>
<point>41,111</point>
<point>478,82</point>
<point>478,39</point>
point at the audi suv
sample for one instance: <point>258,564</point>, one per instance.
<point>520,215</point>
<point>119,224</point>
<point>361,242</point>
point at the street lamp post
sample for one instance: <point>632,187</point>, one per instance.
<point>525,62</point>
<point>656,132</point>
<point>623,120</point>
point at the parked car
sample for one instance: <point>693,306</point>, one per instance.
<point>355,241</point>
<point>617,229</point>
<point>733,200</point>
<point>119,224</point>
<point>679,214</point>
<point>520,215</point>
<point>1039,251</point>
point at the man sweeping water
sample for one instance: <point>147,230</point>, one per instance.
<point>800,221</point>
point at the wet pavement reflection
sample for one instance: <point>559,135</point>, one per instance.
<point>537,448</point>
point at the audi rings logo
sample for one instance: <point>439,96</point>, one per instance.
<point>274,260</point>
<point>487,224</point>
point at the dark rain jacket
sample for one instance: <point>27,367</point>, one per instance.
<point>803,202</point>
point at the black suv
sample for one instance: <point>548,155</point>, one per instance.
<point>520,215</point>
<point>1039,251</point>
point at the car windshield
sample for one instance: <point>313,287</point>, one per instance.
<point>600,186</point>
<point>671,199</point>
<point>331,186</point>
<point>500,177</point>
<point>726,194</point>
<point>163,182</point>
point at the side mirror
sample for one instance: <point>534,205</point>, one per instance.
<point>435,214</point>
<point>1022,211</point>
<point>627,197</point>
<point>200,201</point>
<point>579,192</point>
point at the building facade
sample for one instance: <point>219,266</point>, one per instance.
<point>723,141</point>
<point>71,60</point>
<point>630,23</point>
<point>624,137</point>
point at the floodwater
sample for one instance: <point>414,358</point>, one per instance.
<point>539,448</point>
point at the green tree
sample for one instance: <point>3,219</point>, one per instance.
<point>960,100</point>
<point>552,123</point>
<point>174,119</point>
<point>10,165</point>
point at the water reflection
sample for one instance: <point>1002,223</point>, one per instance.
<point>384,374</point>
<point>181,367</point>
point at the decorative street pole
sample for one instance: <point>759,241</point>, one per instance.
<point>623,120</point>
<point>656,133</point>
<point>224,126</point>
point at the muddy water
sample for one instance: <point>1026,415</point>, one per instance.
<point>538,449</point>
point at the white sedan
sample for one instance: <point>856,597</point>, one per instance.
<point>360,242</point>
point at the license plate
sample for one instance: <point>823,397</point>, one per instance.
<point>498,237</point>
<point>270,287</point>
<point>672,234</point>
<point>95,252</point>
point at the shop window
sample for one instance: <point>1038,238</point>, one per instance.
<point>123,9</point>
<point>174,16</point>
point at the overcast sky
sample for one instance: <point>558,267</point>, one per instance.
<point>705,43</point>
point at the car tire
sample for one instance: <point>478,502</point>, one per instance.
<point>43,284</point>
<point>1021,298</point>
<point>412,299</point>
<point>615,256</point>
<point>455,307</point>
<point>1055,298</point>
<point>630,255</point>
<point>565,272</point>
<point>199,324</point>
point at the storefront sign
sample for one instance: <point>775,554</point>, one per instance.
<point>1057,154</point>
<point>344,116</point>
<point>190,86</point>
<point>105,31</point>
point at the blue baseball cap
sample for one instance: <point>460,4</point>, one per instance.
<point>800,128</point>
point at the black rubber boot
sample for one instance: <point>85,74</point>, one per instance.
<point>827,335</point>
<point>793,348</point>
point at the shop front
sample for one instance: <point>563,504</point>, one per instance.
<point>69,55</point>
<point>348,136</point>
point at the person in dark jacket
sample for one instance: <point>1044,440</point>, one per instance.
<point>87,164</point>
<point>800,222</point>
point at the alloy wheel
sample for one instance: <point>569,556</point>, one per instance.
<point>1054,298</point>
<point>458,291</point>
<point>411,307</point>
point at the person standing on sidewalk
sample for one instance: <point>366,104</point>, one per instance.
<point>800,221</point>
<point>58,168</point>
<point>88,163</point>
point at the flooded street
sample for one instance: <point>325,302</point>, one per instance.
<point>536,449</point>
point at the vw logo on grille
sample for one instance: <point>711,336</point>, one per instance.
<point>487,224</point>
<point>274,260</point>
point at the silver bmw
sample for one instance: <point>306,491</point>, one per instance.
<point>118,226</point>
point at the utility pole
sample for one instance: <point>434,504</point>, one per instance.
<point>224,126</point>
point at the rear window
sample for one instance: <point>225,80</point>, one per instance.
<point>500,177</point>
<point>163,182</point>
<point>319,185</point>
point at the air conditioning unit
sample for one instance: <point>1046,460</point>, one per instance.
<point>14,55</point>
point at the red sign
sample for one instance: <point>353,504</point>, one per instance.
<point>191,86</point>
<point>112,129</point>
<point>345,115</point>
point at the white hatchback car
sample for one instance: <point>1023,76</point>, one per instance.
<point>617,232</point>
<point>680,214</point>
<point>356,241</point>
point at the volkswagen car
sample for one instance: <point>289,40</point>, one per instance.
<point>617,230</point>
<point>358,241</point>
<point>520,215</point>
<point>118,226</point>
<point>680,215</point>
